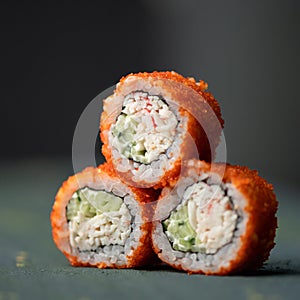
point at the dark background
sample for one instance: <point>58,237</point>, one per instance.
<point>57,56</point>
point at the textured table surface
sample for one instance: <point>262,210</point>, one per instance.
<point>32,268</point>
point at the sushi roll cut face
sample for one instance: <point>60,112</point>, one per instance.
<point>201,222</point>
<point>145,129</point>
<point>215,222</point>
<point>155,121</point>
<point>99,221</point>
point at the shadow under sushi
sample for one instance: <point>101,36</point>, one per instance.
<point>282,267</point>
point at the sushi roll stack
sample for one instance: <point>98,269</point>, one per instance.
<point>159,194</point>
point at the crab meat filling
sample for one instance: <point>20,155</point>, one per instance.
<point>145,128</point>
<point>204,222</point>
<point>97,219</point>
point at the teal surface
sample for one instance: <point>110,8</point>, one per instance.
<point>32,268</point>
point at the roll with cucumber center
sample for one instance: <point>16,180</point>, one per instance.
<point>99,221</point>
<point>155,121</point>
<point>212,224</point>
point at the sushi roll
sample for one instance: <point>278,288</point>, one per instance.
<point>99,221</point>
<point>155,121</point>
<point>218,219</point>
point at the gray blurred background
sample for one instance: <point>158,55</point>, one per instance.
<point>57,56</point>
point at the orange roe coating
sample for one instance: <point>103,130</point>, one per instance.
<point>142,255</point>
<point>200,87</point>
<point>261,206</point>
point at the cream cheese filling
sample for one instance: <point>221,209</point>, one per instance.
<point>97,219</point>
<point>145,128</point>
<point>205,220</point>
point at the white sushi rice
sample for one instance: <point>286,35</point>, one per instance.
<point>219,232</point>
<point>84,242</point>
